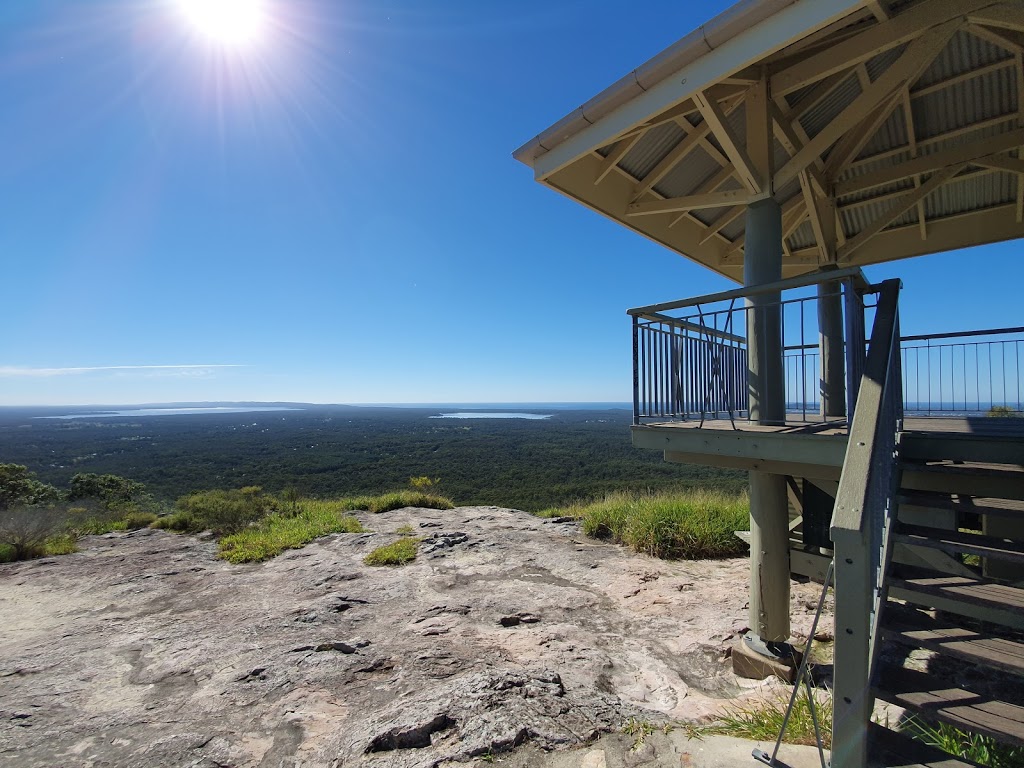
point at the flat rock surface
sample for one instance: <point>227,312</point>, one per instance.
<point>144,649</point>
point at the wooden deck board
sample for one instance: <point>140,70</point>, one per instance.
<point>918,629</point>
<point>963,709</point>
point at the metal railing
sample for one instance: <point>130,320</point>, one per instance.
<point>861,524</point>
<point>691,357</point>
<point>965,372</point>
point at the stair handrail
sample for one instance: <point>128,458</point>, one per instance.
<point>865,504</point>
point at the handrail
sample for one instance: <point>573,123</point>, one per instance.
<point>801,281</point>
<point>861,522</point>
<point>963,334</point>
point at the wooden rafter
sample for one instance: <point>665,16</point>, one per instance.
<point>917,56</point>
<point>964,153</point>
<point>711,185</point>
<point>1019,59</point>
<point>995,37</point>
<point>897,209</point>
<point>1001,163</point>
<point>722,222</point>
<point>716,119</point>
<point>689,203</point>
<point>697,136</point>
<point>880,38</point>
<point>908,118</point>
<point>822,213</point>
<point>1004,16</point>
<point>935,139</point>
<point>619,151</point>
<point>963,77</point>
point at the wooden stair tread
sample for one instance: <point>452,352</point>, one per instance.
<point>959,541</point>
<point>919,630</point>
<point>938,700</point>
<point>959,594</point>
<point>895,750</point>
<point>971,478</point>
<point>965,504</point>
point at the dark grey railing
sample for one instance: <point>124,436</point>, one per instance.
<point>690,357</point>
<point>964,372</point>
<point>861,523</point>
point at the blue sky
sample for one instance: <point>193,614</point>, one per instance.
<point>332,214</point>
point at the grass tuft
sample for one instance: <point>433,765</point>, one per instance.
<point>971,746</point>
<point>762,720</point>
<point>277,532</point>
<point>397,553</point>
<point>397,500</point>
<point>691,525</point>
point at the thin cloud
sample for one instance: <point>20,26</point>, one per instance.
<point>13,371</point>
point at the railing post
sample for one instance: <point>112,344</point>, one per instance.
<point>636,370</point>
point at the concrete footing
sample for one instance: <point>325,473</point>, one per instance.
<point>756,660</point>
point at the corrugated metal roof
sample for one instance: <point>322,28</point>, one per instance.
<point>968,94</point>
<point>649,151</point>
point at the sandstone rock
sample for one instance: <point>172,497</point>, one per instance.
<point>149,651</point>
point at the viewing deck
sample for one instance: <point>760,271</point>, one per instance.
<point>816,450</point>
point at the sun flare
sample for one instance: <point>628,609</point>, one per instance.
<point>230,23</point>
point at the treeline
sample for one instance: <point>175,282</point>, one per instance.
<point>333,451</point>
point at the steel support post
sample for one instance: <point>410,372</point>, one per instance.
<point>832,386</point>
<point>769,509</point>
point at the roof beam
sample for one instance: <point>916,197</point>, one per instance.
<point>897,209</point>
<point>822,212</point>
<point>966,153</point>
<point>619,151</point>
<point>1001,163</point>
<point>721,222</point>
<point>875,6</point>
<point>689,203</point>
<point>880,38</point>
<point>734,54</point>
<point>697,136</point>
<point>716,118</point>
<point>1003,16</point>
<point>908,117</point>
<point>850,145</point>
<point>917,56</point>
<point>996,38</point>
<point>710,185</point>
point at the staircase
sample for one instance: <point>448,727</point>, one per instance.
<point>954,588</point>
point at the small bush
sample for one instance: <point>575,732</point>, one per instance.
<point>1002,412</point>
<point>224,512</point>
<point>135,520</point>
<point>287,530</point>
<point>62,544</point>
<point>397,553</point>
<point>689,525</point>
<point>181,521</point>
<point>26,531</point>
<point>762,720</point>
<point>396,500</point>
<point>972,746</point>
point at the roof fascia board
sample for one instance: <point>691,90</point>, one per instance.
<point>785,27</point>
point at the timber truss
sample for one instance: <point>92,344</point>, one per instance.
<point>893,132</point>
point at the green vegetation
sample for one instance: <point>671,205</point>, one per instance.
<point>332,451</point>
<point>220,511</point>
<point>1002,412</point>
<point>762,720</point>
<point>398,553</point>
<point>971,746</point>
<point>397,500</point>
<point>280,531</point>
<point>690,525</point>
<point>19,487</point>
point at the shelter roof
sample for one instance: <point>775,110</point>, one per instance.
<point>893,129</point>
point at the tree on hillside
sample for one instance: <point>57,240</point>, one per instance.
<point>19,487</point>
<point>109,490</point>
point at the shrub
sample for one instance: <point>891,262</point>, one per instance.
<point>19,488</point>
<point>690,525</point>
<point>26,531</point>
<point>135,520</point>
<point>395,500</point>
<point>1002,412</point>
<point>397,553</point>
<point>762,720</point>
<point>278,532</point>
<point>111,491</point>
<point>223,512</point>
<point>973,746</point>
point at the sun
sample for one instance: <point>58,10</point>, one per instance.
<point>231,23</point>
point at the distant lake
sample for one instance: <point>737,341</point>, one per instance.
<point>494,415</point>
<point>170,412</point>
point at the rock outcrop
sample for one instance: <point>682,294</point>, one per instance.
<point>143,649</point>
